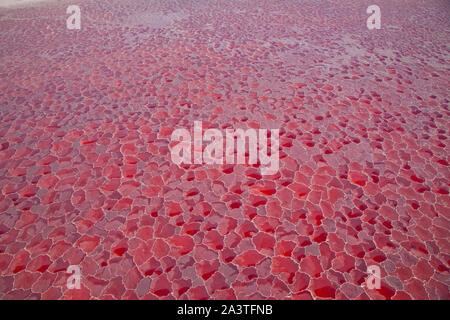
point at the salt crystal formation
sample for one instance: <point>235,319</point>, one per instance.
<point>85,171</point>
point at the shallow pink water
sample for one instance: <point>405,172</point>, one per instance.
<point>86,176</point>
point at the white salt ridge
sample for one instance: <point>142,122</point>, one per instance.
<point>19,3</point>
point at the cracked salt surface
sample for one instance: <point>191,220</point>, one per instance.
<point>86,176</point>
